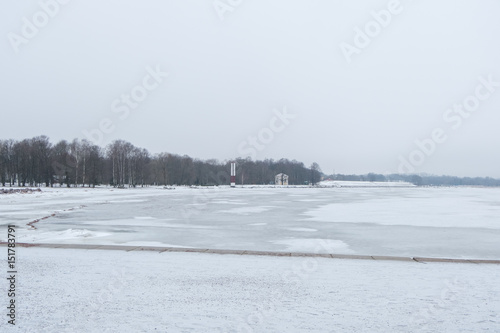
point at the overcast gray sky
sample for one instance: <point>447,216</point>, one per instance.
<point>355,102</point>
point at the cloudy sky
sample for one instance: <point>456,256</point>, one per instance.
<point>357,86</point>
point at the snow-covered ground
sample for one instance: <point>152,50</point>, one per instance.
<point>427,222</point>
<point>116,291</point>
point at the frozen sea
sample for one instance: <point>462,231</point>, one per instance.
<point>455,222</point>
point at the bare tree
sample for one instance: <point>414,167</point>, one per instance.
<point>315,173</point>
<point>36,161</point>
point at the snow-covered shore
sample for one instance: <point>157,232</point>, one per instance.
<point>63,290</point>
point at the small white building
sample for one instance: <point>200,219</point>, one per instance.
<point>281,179</point>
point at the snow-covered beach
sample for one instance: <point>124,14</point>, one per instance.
<point>65,290</point>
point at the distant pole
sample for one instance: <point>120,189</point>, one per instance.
<point>233,174</point>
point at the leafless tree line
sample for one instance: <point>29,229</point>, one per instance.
<point>36,161</point>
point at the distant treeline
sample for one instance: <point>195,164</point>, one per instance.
<point>420,180</point>
<point>36,161</point>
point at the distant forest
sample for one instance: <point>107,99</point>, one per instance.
<point>420,180</point>
<point>36,161</point>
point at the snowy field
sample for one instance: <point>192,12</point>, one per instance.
<point>116,291</point>
<point>426,222</point>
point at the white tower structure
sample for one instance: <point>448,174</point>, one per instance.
<point>233,174</point>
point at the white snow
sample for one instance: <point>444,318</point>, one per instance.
<point>61,290</point>
<point>344,183</point>
<point>247,210</point>
<point>313,245</point>
<point>302,229</point>
<point>67,236</point>
<point>455,208</point>
<point>158,244</point>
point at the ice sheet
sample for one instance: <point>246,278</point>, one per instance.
<point>435,222</point>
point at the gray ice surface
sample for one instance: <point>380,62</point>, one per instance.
<point>434,222</point>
